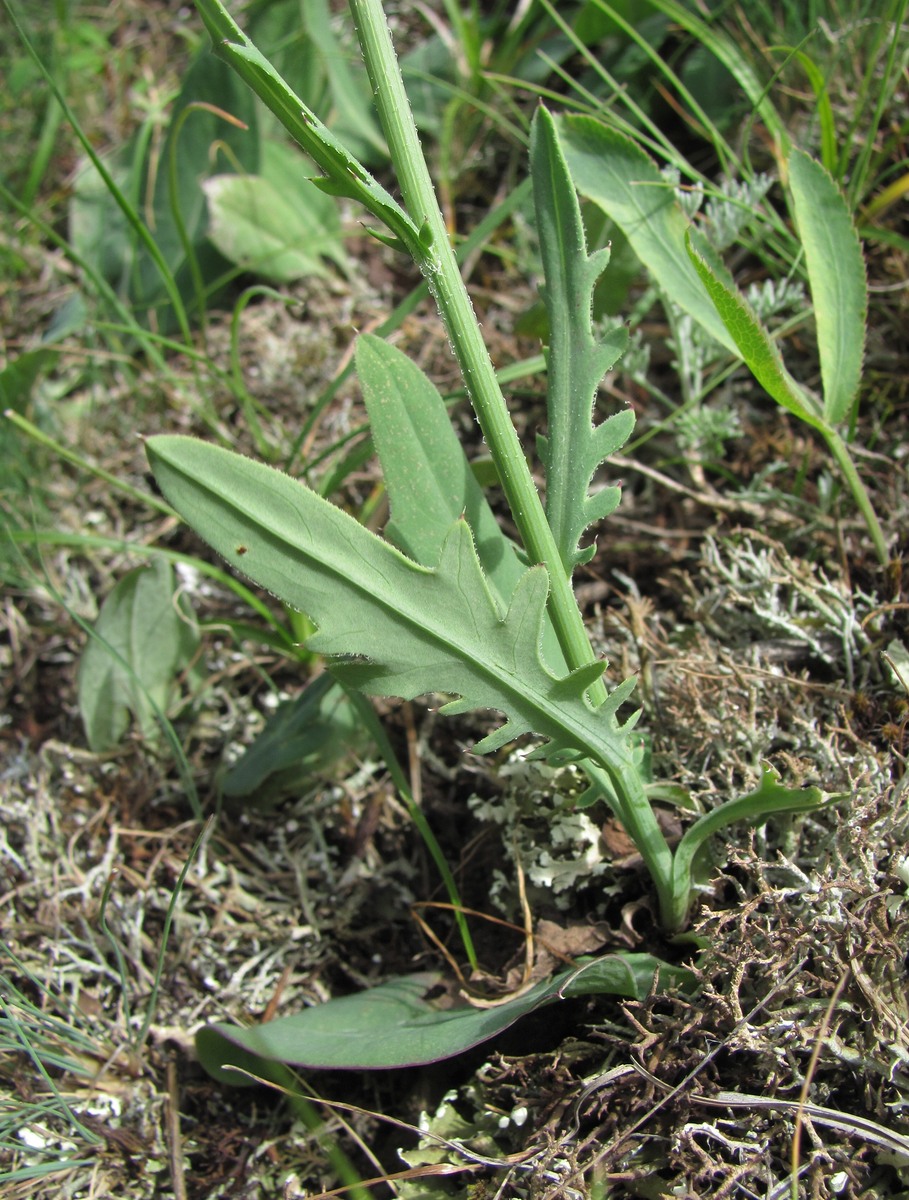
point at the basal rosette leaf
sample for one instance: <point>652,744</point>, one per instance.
<point>390,626</point>
<point>393,1025</point>
<point>836,274</point>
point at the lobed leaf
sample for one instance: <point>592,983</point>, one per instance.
<point>391,626</point>
<point>429,481</point>
<point>577,359</point>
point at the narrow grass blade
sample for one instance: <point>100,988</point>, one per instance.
<point>824,110</point>
<point>836,275</point>
<point>735,62</point>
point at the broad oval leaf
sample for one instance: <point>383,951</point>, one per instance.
<point>277,236</point>
<point>142,639</point>
<point>393,1025</point>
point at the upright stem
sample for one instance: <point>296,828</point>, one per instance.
<point>840,452</point>
<point>437,261</point>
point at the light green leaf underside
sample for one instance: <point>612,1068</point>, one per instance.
<point>836,276</point>
<point>625,182</point>
<point>280,237</point>
<point>427,475</point>
<point>577,360</point>
<point>393,1026</point>
<point>392,627</point>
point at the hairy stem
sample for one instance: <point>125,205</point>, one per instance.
<point>437,261</point>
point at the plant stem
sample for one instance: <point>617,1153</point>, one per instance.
<point>626,797</point>
<point>622,788</point>
<point>436,259</point>
<point>840,452</point>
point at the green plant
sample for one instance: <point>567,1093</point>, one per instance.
<point>47,1134</point>
<point>618,176</point>
<point>138,216</point>
<point>142,641</point>
<point>613,156</point>
<point>454,607</point>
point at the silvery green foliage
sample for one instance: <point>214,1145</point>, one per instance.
<point>636,360</point>
<point>706,428</point>
<point>690,198</point>
<point>559,847</point>
<point>792,600</point>
<point>776,297</point>
<point>696,352</point>
<point>736,206</point>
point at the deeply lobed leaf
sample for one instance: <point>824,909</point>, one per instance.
<point>392,627</point>
<point>578,359</point>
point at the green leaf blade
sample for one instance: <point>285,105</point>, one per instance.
<point>349,177</point>
<point>754,344</point>
<point>621,179</point>
<point>392,1025</point>
<point>429,481</point>
<point>836,276</point>
<point>394,627</point>
<point>573,448</point>
<point>144,639</point>
<point>282,238</point>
